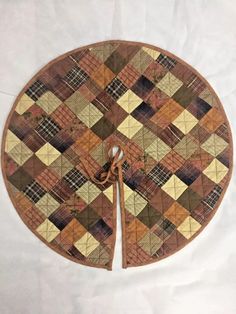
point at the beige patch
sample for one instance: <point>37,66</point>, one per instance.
<point>189,227</point>
<point>174,187</point>
<point>87,244</point>
<point>48,230</point>
<point>88,192</point>
<point>129,101</point>
<point>47,154</point>
<point>185,122</point>
<point>48,102</point>
<point>129,127</point>
<point>24,104</point>
<point>169,84</point>
<point>216,171</point>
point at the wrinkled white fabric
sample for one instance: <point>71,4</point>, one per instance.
<point>199,279</point>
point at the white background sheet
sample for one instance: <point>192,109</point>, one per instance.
<point>199,279</point>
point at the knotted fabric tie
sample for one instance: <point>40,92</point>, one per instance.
<point>114,173</point>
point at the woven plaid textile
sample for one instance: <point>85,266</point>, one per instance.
<point>177,153</point>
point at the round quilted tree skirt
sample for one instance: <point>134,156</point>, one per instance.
<point>172,161</point>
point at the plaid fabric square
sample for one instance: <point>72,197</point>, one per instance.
<point>34,141</point>
<point>213,197</point>
<point>167,62</point>
<point>195,83</point>
<point>100,230</point>
<point>199,108</point>
<point>36,90</point>
<point>160,175</point>
<point>89,63</point>
<point>223,132</point>
<point>63,116</point>
<point>75,179</point>
<point>165,228</point>
<point>61,192</point>
<point>62,141</point>
<point>34,192</point>
<point>47,179</point>
<point>76,77</point>
<point>142,87</point>
<point>34,217</point>
<point>188,173</point>
<point>116,89</point>
<point>47,129</point>
<point>128,75</point>
<point>61,218</point>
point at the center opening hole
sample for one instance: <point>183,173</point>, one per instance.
<point>113,150</point>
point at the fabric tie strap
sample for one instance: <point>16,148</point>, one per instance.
<point>114,173</point>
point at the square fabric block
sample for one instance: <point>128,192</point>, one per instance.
<point>20,153</point>
<point>158,149</point>
<point>48,230</point>
<point>185,122</point>
<point>214,145</point>
<point>174,187</point>
<point>150,243</point>
<point>169,84</point>
<point>48,102</point>
<point>88,192</point>
<point>103,76</point>
<point>47,154</point>
<point>47,205</point>
<point>129,127</point>
<point>90,115</point>
<point>117,122</point>
<point>189,227</point>
<point>129,101</point>
<point>76,77</point>
<point>36,90</point>
<point>216,171</point>
<point>87,244</point>
<point>24,104</point>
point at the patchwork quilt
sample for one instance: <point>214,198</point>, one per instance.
<point>172,166</point>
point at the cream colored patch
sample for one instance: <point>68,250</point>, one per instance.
<point>48,102</point>
<point>47,204</point>
<point>153,53</point>
<point>11,141</point>
<point>216,171</point>
<point>214,145</point>
<point>135,203</point>
<point>24,104</point>
<point>88,192</point>
<point>20,153</point>
<point>158,149</point>
<point>129,101</point>
<point>185,122</point>
<point>47,154</point>
<point>48,230</point>
<point>87,244</point>
<point>169,84</point>
<point>174,187</point>
<point>129,127</point>
<point>189,227</point>
<point>90,115</point>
